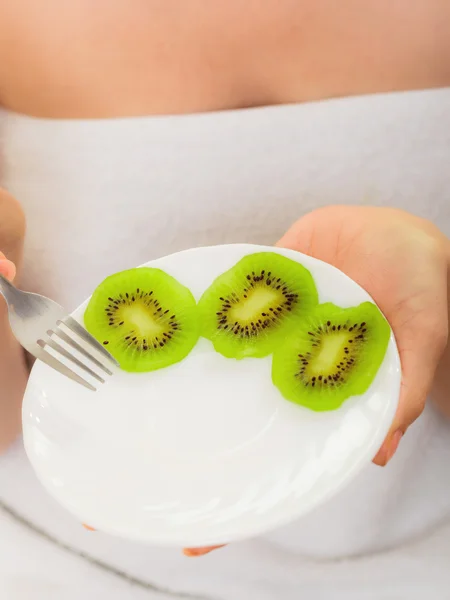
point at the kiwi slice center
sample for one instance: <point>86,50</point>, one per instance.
<point>141,320</point>
<point>263,302</point>
<point>334,352</point>
<point>329,354</point>
<point>137,317</point>
<point>256,302</point>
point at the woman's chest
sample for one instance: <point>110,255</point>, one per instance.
<point>113,58</point>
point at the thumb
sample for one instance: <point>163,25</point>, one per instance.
<point>7,268</point>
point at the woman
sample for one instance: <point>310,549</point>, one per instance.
<point>131,130</point>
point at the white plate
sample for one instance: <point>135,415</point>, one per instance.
<point>206,451</point>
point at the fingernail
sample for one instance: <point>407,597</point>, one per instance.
<point>192,552</point>
<point>393,445</point>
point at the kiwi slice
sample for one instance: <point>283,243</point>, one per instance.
<point>334,354</point>
<point>249,309</point>
<point>145,318</point>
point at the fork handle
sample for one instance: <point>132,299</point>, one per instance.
<point>7,290</point>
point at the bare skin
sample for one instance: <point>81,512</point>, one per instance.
<point>141,57</point>
<point>122,57</point>
<point>13,368</point>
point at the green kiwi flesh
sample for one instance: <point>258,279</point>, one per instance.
<point>144,317</point>
<point>250,309</point>
<point>334,354</point>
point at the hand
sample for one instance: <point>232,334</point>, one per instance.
<point>402,262</point>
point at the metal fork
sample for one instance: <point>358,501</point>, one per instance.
<point>35,322</point>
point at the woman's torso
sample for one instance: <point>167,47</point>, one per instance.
<point>102,195</point>
<point>105,194</point>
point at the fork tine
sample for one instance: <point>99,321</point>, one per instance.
<point>69,356</point>
<point>51,361</point>
<point>87,337</point>
<point>80,349</point>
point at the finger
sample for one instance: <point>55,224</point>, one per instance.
<point>312,235</point>
<point>421,330</point>
<point>193,552</point>
<point>420,348</point>
<point>300,236</point>
<point>7,268</point>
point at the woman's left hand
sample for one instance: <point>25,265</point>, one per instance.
<point>402,261</point>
